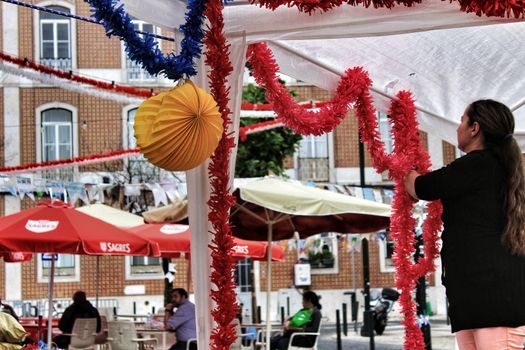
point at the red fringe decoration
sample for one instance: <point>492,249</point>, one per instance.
<point>489,8</point>
<point>408,152</point>
<point>494,8</point>
<point>221,199</point>
<point>62,163</point>
<point>25,63</point>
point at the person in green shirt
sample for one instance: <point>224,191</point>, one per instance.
<point>308,319</point>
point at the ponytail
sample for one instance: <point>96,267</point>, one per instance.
<point>497,124</point>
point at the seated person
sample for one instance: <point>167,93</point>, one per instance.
<point>8,309</point>
<point>81,308</point>
<point>181,321</point>
<point>306,320</point>
<point>12,334</point>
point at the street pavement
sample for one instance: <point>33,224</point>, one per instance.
<point>392,338</point>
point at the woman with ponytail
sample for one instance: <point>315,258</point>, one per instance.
<point>483,252</point>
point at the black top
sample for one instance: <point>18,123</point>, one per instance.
<point>485,284</point>
<point>77,310</point>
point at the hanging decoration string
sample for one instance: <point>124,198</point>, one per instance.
<point>245,106</point>
<point>145,51</point>
<point>77,17</point>
<point>493,8</point>
<point>25,63</point>
<point>68,85</point>
<point>70,162</point>
<point>258,127</point>
<point>354,88</point>
<point>221,200</point>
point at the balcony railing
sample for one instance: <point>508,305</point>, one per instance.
<point>314,169</point>
<point>61,174</point>
<point>57,63</point>
<point>140,170</point>
<point>136,73</point>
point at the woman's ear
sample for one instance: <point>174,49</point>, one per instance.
<point>476,129</point>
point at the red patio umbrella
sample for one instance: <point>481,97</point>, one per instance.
<point>174,239</point>
<point>56,227</point>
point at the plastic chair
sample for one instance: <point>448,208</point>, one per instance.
<point>313,347</point>
<point>188,343</point>
<point>101,339</point>
<point>123,336</point>
<point>83,334</point>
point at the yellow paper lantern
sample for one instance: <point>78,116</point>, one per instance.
<point>179,129</point>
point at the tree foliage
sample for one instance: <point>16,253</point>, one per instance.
<point>265,151</point>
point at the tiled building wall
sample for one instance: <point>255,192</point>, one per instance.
<point>99,121</point>
<point>94,48</point>
<point>449,153</point>
<point>25,32</point>
<point>283,272</point>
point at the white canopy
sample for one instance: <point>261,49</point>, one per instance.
<point>447,58</point>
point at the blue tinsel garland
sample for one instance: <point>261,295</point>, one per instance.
<point>145,50</point>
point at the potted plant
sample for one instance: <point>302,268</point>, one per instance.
<point>327,257</point>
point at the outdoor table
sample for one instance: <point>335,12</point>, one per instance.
<point>36,326</point>
<point>164,335</point>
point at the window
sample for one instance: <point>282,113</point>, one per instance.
<point>314,146</point>
<point>139,168</point>
<point>135,70</point>
<point>57,134</point>
<point>67,268</point>
<point>321,252</point>
<point>313,163</point>
<point>143,267</point>
<point>384,131</point>
<point>243,277</point>
<point>386,250</point>
<point>55,39</point>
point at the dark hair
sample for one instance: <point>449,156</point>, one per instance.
<point>182,292</point>
<point>313,298</point>
<point>497,127</point>
<point>79,297</point>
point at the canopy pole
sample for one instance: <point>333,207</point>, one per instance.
<point>269,284</point>
<point>50,303</point>
<point>97,282</point>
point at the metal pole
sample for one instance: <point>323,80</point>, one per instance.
<point>338,330</point>
<point>345,323</point>
<point>97,282</point>
<point>368,327</point>
<point>50,303</point>
<point>361,161</point>
<point>269,285</point>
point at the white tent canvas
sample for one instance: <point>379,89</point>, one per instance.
<point>446,57</point>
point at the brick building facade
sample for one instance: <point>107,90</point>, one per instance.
<point>99,125</point>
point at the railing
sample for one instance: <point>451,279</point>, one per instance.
<point>61,174</point>
<point>57,63</point>
<point>314,169</point>
<point>136,73</point>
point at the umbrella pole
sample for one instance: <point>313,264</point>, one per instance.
<point>269,285</point>
<point>97,282</point>
<point>50,303</point>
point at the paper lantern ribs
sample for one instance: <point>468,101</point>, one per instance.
<point>179,129</point>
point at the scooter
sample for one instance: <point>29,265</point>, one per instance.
<point>383,305</point>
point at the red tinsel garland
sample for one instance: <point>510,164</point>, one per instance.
<point>69,162</point>
<point>24,63</point>
<point>408,152</point>
<point>496,8</point>
<point>221,200</point>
